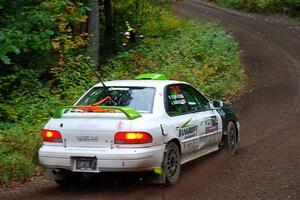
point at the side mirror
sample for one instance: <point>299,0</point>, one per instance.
<point>215,105</point>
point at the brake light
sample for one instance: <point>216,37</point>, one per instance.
<point>51,136</point>
<point>132,138</point>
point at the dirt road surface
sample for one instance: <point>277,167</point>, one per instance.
<point>267,165</point>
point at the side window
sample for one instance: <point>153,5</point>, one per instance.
<point>198,101</point>
<point>193,105</point>
<point>182,99</point>
<point>176,103</point>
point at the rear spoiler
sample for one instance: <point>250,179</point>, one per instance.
<point>130,113</point>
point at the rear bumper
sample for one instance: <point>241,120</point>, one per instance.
<point>109,160</point>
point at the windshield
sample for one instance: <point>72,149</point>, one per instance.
<point>138,98</point>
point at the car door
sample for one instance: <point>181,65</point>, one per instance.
<point>191,119</point>
<point>211,123</point>
<point>182,120</point>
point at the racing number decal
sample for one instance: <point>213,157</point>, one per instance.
<point>175,96</point>
<point>175,89</point>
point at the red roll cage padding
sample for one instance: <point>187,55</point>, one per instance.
<point>97,109</point>
<point>101,101</point>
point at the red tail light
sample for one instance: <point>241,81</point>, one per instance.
<point>132,138</point>
<point>51,136</point>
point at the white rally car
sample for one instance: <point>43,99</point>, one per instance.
<point>146,124</point>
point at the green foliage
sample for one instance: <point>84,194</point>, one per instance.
<point>202,55</point>
<point>159,22</point>
<point>65,15</point>
<point>42,67</point>
<point>26,31</point>
<point>73,76</point>
<point>18,149</point>
<point>291,7</point>
<point>24,115</point>
<point>17,166</point>
<point>26,112</point>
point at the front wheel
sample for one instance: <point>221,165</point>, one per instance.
<point>232,144</point>
<point>172,164</point>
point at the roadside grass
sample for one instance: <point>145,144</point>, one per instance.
<point>204,55</point>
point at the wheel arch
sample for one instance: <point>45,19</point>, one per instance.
<point>237,131</point>
<point>177,142</point>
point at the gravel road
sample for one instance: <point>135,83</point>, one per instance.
<point>267,165</point>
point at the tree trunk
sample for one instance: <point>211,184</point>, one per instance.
<point>109,31</point>
<point>94,31</point>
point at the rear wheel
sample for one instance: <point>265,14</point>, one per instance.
<point>172,165</point>
<point>231,138</point>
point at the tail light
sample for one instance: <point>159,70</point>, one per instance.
<point>51,136</point>
<point>132,138</point>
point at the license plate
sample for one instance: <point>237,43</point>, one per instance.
<point>86,164</point>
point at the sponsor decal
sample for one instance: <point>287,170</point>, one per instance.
<point>176,96</point>
<point>186,131</point>
<point>191,146</point>
<point>87,138</point>
<point>211,124</point>
<point>186,124</point>
<point>178,102</point>
<point>200,143</point>
<point>210,139</point>
<point>177,99</point>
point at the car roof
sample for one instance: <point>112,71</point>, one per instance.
<point>140,83</point>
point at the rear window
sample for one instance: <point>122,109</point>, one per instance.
<point>138,98</point>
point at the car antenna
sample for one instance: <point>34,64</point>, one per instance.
<point>99,79</point>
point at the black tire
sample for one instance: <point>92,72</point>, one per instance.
<point>68,178</point>
<point>61,182</point>
<point>172,164</point>
<point>232,141</point>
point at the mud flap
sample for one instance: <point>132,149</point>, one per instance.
<point>158,176</point>
<point>155,178</point>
